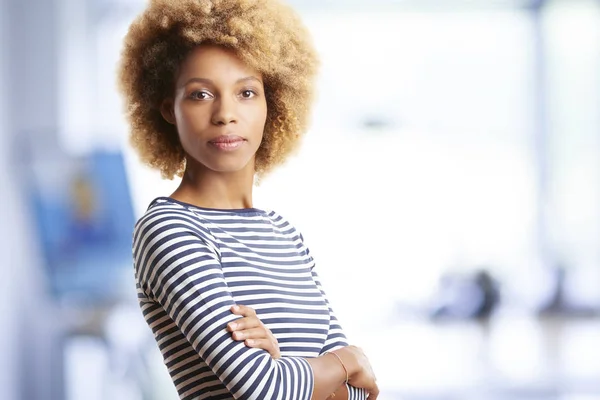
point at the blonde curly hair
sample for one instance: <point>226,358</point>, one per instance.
<point>265,34</point>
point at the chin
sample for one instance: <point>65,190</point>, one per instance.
<point>229,166</point>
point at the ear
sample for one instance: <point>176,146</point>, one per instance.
<point>167,110</point>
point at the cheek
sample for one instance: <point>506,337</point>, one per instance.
<point>191,123</point>
<point>261,118</point>
<point>185,116</point>
<point>187,126</point>
<point>260,122</point>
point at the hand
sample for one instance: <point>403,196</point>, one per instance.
<point>360,372</point>
<point>252,331</point>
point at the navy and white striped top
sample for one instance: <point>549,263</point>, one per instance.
<point>192,264</point>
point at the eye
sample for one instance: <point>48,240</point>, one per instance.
<point>200,95</point>
<point>248,94</point>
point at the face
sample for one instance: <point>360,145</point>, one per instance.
<point>219,109</point>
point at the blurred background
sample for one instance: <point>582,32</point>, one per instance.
<point>450,195</point>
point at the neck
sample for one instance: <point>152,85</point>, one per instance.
<point>224,190</point>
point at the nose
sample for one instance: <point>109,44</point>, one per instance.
<point>224,112</point>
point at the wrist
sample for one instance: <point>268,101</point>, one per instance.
<point>349,359</point>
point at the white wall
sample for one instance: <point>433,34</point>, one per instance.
<point>573,46</point>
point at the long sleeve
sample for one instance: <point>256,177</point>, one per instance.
<point>336,339</point>
<point>180,270</point>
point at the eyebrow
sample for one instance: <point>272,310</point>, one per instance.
<point>210,82</point>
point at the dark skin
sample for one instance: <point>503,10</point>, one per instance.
<point>219,108</point>
<point>216,94</point>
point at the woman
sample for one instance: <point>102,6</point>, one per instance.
<point>218,93</point>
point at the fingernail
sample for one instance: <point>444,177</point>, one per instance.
<point>250,342</point>
<point>233,325</point>
<point>235,308</point>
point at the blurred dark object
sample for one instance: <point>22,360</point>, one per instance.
<point>473,295</point>
<point>555,303</point>
<point>561,298</point>
<point>375,122</point>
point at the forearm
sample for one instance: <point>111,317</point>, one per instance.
<point>330,375</point>
<point>341,393</point>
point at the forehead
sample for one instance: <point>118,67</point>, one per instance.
<point>215,63</point>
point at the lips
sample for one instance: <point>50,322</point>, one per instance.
<point>227,139</point>
<point>227,142</point>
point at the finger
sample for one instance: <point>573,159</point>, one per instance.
<point>374,393</point>
<point>264,344</point>
<point>245,311</point>
<point>244,323</point>
<point>253,333</point>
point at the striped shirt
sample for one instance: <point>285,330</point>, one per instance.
<point>192,264</point>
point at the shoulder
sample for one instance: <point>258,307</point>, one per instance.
<point>283,223</point>
<point>164,213</point>
<point>167,218</point>
<point>291,231</point>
